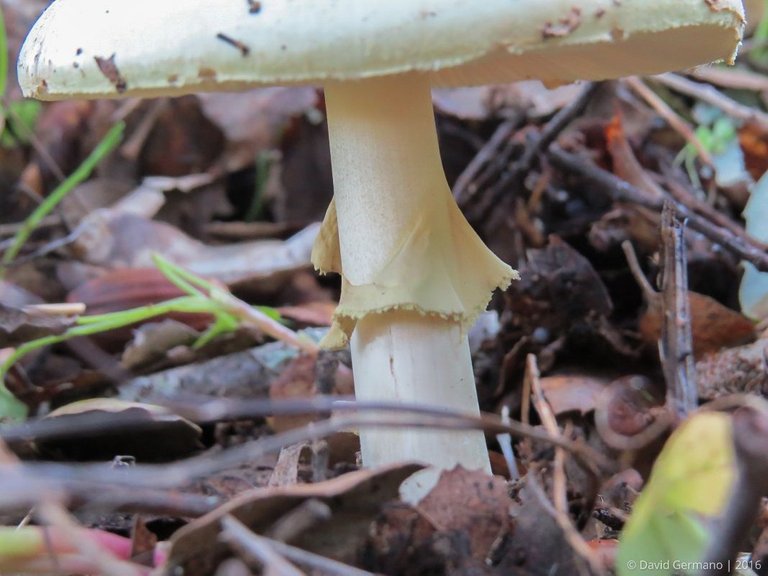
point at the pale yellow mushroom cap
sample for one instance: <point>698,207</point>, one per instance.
<point>91,48</point>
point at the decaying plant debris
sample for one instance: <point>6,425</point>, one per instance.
<point>619,369</point>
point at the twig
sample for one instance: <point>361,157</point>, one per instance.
<point>738,78</point>
<point>711,95</point>
<point>532,376</point>
<point>254,317</point>
<point>621,191</point>
<point>676,348</point>
<point>559,480</point>
<point>298,555</point>
<point>300,519</point>
<point>155,477</point>
<point>685,196</point>
<point>462,187</point>
<point>246,543</point>
<point>131,148</point>
<point>23,491</point>
<point>14,227</point>
<point>673,119</point>
<point>523,166</point>
<point>649,293</point>
<point>315,561</point>
<point>583,563</point>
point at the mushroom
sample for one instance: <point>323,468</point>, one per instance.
<point>414,274</point>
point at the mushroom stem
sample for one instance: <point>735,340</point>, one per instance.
<point>415,274</point>
<point>408,357</point>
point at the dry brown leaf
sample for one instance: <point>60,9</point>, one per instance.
<point>310,314</point>
<point>182,140</point>
<point>573,392</point>
<point>255,120</point>
<point>296,380</point>
<point>484,102</point>
<point>754,144</point>
<point>150,433</point>
<point>713,325</point>
<point>470,502</point>
<point>18,326</point>
<point>113,239</point>
<point>625,165</point>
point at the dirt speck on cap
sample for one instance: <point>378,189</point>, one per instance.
<point>108,67</point>
<point>564,26</point>
<point>206,74</point>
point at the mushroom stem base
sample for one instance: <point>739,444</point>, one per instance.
<point>404,356</point>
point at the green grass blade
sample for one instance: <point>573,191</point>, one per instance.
<point>107,144</point>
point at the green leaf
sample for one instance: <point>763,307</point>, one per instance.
<point>690,485</point>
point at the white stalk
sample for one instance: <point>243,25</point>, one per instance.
<point>399,233</point>
<point>407,357</point>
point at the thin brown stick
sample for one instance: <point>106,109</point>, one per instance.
<point>463,188</point>
<point>297,555</point>
<point>254,317</point>
<point>520,169</point>
<point>247,544</point>
<point>673,118</point>
<point>559,480</point>
<point>532,376</point>
<point>676,347</point>
<point>299,520</point>
<point>584,566</point>
<point>25,491</point>
<point>315,561</point>
<point>739,78</point>
<point>96,476</point>
<point>13,227</point>
<point>621,191</point>
<point>711,95</point>
<point>649,293</point>
<point>131,148</point>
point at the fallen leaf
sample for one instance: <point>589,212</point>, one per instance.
<point>713,325</point>
<point>19,326</point>
<point>754,144</point>
<point>310,314</point>
<point>144,431</point>
<point>470,502</point>
<point>114,239</point>
<point>255,120</point>
<point>182,140</point>
<point>296,380</point>
<point>573,392</point>
<point>151,342</point>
